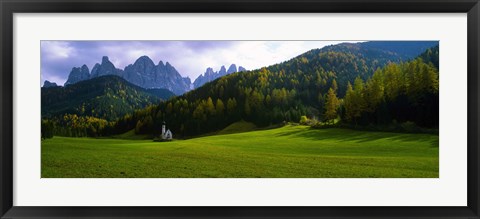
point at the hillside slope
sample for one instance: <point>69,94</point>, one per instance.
<point>287,152</point>
<point>107,97</point>
<point>282,92</point>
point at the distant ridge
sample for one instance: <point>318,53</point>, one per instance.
<point>211,75</point>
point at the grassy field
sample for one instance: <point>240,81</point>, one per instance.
<point>290,151</point>
<point>238,127</point>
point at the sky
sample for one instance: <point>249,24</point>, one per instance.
<point>190,58</point>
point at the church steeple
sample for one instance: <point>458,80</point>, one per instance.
<point>163,128</point>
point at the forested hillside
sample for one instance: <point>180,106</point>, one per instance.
<point>405,92</point>
<point>107,97</point>
<point>378,82</point>
<point>431,55</point>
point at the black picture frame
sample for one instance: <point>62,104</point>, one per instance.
<point>9,7</point>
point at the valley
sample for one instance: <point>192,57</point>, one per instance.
<point>286,152</point>
<point>348,110</point>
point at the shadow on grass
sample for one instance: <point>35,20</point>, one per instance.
<point>349,135</point>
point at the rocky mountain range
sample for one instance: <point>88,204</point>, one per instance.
<point>211,75</point>
<point>143,73</point>
<point>146,74</point>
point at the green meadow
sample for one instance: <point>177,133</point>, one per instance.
<point>286,152</point>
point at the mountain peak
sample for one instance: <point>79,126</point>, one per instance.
<point>232,69</point>
<point>105,59</point>
<point>105,68</point>
<point>145,60</point>
<point>47,83</point>
<point>208,72</point>
<point>223,71</point>
<point>78,74</point>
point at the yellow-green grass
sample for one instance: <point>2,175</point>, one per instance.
<point>131,136</point>
<point>287,152</point>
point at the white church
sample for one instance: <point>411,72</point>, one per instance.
<point>166,134</point>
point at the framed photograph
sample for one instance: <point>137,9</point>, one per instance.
<point>265,109</point>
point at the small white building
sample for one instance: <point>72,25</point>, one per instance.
<point>166,134</point>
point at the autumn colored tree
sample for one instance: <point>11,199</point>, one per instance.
<point>331,106</point>
<point>210,107</point>
<point>220,108</point>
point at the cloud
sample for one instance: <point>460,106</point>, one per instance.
<point>190,58</point>
<point>56,49</point>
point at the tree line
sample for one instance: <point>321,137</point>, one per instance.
<point>307,88</point>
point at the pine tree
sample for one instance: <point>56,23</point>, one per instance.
<point>210,106</point>
<point>247,108</point>
<point>355,103</point>
<point>348,103</point>
<point>331,104</point>
<point>219,107</point>
<point>138,127</point>
<point>231,105</point>
<point>373,92</point>
<point>334,85</point>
